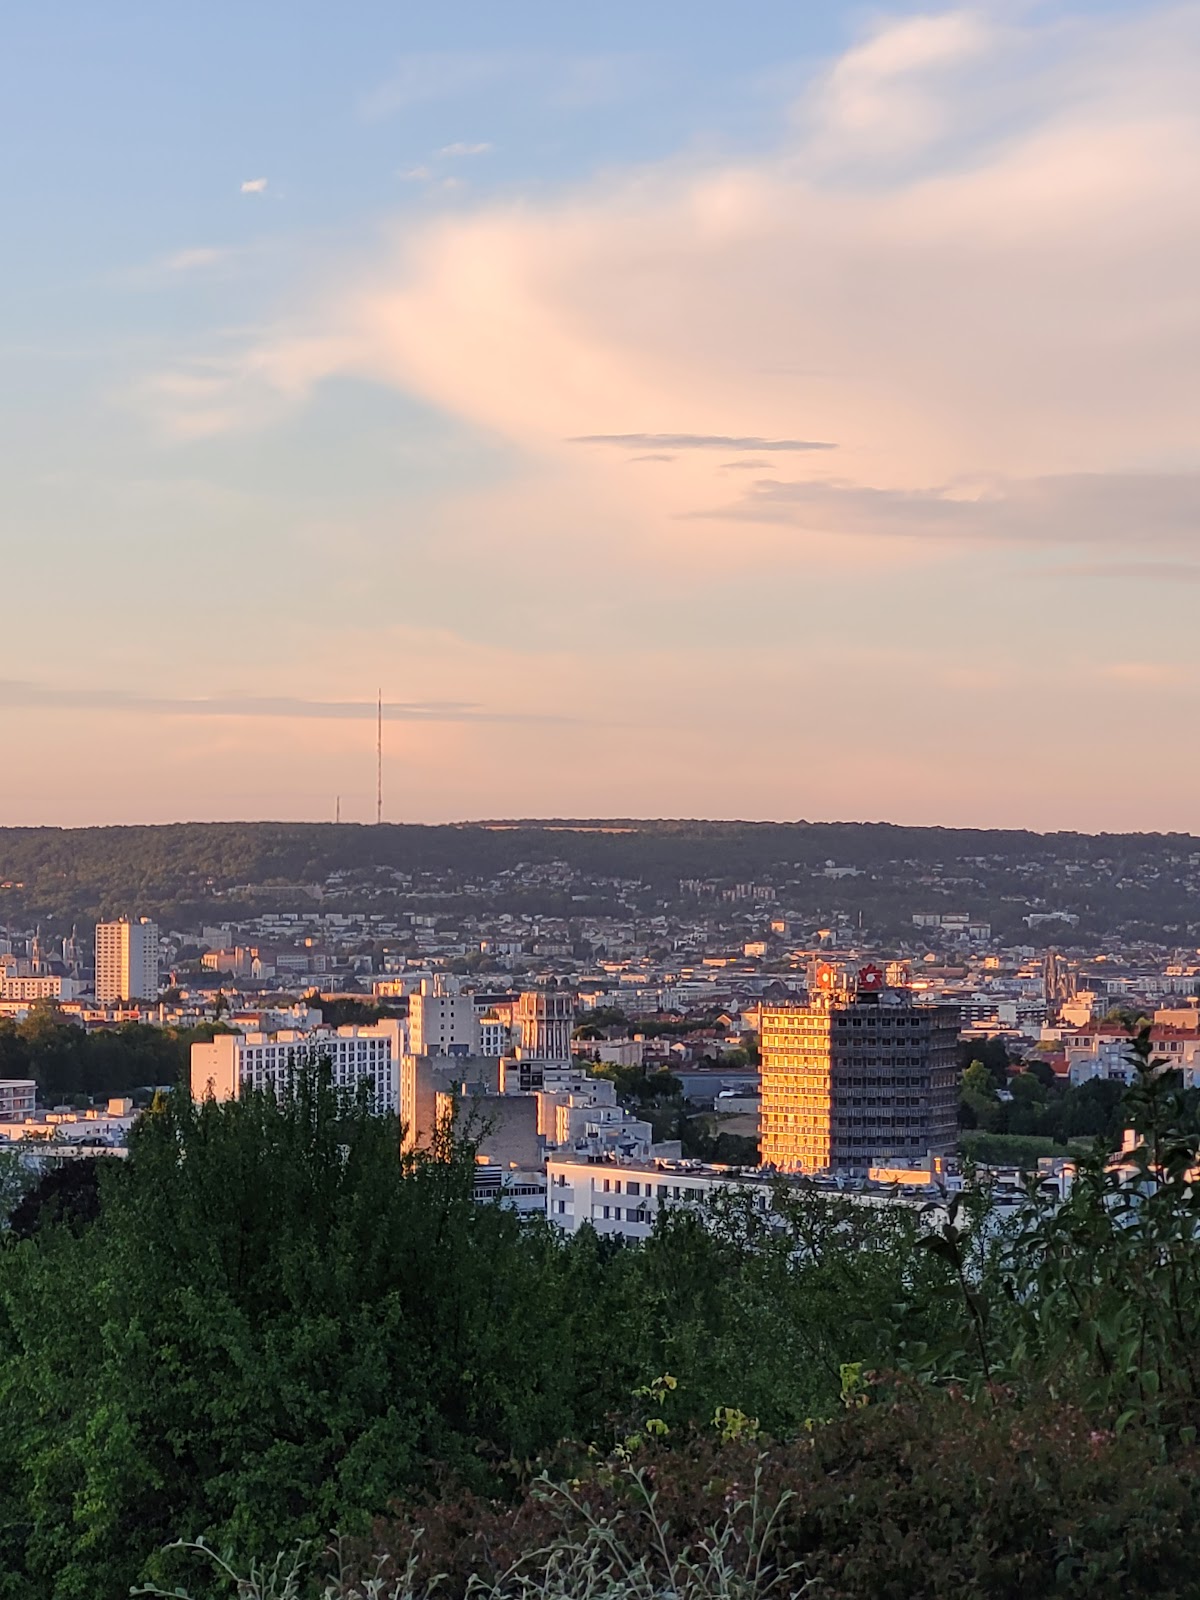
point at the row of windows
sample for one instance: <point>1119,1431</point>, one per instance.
<point>636,1188</point>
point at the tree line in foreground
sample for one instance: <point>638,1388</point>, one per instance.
<point>266,1327</point>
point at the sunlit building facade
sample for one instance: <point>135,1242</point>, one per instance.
<point>126,960</point>
<point>857,1077</point>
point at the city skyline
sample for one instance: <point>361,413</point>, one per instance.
<point>667,416</point>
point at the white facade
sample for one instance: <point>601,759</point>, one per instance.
<point>493,1037</point>
<point>126,960</point>
<point>441,1024</point>
<point>269,1061</point>
<point>625,1197</point>
<point>42,987</point>
<point>18,1098</point>
<point>578,1116</point>
<point>516,1189</point>
<point>1092,1053</point>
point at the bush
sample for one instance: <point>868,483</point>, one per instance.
<point>921,1494</point>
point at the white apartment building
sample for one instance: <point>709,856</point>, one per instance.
<point>442,1023</point>
<point>516,1189</point>
<point>493,1036</point>
<point>625,1197</point>
<point>44,986</point>
<point>1098,1051</point>
<point>579,1116</point>
<point>18,1098</point>
<point>269,1061</point>
<point>127,960</point>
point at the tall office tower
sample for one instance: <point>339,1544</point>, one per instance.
<point>546,1018</point>
<point>858,1077</point>
<point>126,960</point>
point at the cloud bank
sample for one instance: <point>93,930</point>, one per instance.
<point>970,260</point>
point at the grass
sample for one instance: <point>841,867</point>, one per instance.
<point>592,1559</point>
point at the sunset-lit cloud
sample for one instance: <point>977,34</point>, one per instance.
<point>990,315</point>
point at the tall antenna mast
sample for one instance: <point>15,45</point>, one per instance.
<point>379,760</point>
<point>337,810</point>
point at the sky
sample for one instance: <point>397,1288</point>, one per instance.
<point>672,410</point>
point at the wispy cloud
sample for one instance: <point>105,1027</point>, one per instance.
<point>461,148</point>
<point>191,260</point>
<point>1126,571</point>
<point>16,694</point>
<point>415,174</point>
<point>696,441</point>
<point>563,82</point>
<point>254,186</point>
<point>423,77</point>
<point>1068,508</point>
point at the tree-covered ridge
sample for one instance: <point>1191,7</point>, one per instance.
<point>64,874</point>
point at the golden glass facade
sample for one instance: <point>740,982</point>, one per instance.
<point>796,1089</point>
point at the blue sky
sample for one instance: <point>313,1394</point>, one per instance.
<point>268,447</point>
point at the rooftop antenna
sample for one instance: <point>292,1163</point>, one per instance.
<point>379,760</point>
<point>337,809</point>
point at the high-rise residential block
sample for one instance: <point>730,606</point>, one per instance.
<point>126,960</point>
<point>859,1076</point>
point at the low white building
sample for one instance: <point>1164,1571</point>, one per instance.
<point>579,1114</point>
<point>1105,1051</point>
<point>94,1129</point>
<point>18,1098</point>
<point>519,1189</point>
<point>38,986</point>
<point>624,1197</point>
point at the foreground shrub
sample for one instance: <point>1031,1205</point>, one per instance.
<point>926,1494</point>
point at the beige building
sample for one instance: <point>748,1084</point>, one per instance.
<point>441,1023</point>
<point>546,1018</point>
<point>127,960</point>
<point>426,1080</point>
<point>43,986</point>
